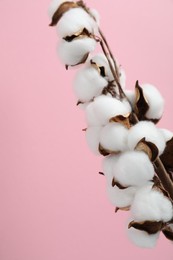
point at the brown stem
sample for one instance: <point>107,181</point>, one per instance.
<point>121,92</point>
<point>164,177</point>
<point>110,52</point>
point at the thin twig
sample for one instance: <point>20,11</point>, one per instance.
<point>110,52</point>
<point>121,92</point>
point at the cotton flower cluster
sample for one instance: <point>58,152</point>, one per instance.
<point>121,125</point>
<point>76,30</point>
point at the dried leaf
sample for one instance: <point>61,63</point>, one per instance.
<point>167,156</point>
<point>106,152</point>
<point>78,35</point>
<point>79,103</point>
<point>103,151</point>
<point>149,148</point>
<point>168,232</point>
<point>116,183</point>
<point>100,69</point>
<point>151,227</point>
<point>122,119</point>
<point>123,209</point>
<point>141,104</point>
<point>64,7</point>
<point>83,60</point>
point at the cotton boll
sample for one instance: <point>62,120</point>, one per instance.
<point>142,238</point>
<point>92,137</point>
<point>75,20</point>
<point>106,107</point>
<point>167,135</point>
<point>150,204</point>
<point>72,53</point>
<point>88,84</point>
<point>121,197</point>
<point>108,163</point>
<point>133,168</point>
<point>149,131</point>
<point>54,5</point>
<point>113,137</point>
<point>155,101</point>
<point>91,117</point>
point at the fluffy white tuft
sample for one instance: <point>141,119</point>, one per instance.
<point>133,168</point>
<point>108,164</point>
<point>149,131</point>
<point>131,96</point>
<point>121,197</point>
<point>72,53</point>
<point>142,238</point>
<point>88,84</point>
<point>155,101</point>
<point>114,137</point>
<point>150,204</point>
<point>167,135</point>
<point>104,108</point>
<point>75,20</point>
<point>92,137</point>
<point>96,15</point>
<point>54,5</point>
<point>91,117</point>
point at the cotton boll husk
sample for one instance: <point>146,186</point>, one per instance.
<point>83,105</point>
<point>155,101</point>
<point>88,84</point>
<point>150,204</point>
<point>101,60</point>
<point>142,238</point>
<point>133,168</point>
<point>131,96</point>
<point>122,77</point>
<point>121,197</point>
<point>72,53</point>
<point>171,227</point>
<point>92,138</point>
<point>54,5</point>
<point>167,135</point>
<point>106,107</point>
<point>149,131</point>
<point>113,137</point>
<point>107,164</point>
<point>75,20</point>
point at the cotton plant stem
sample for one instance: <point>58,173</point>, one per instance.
<point>121,92</point>
<point>159,167</point>
<point>110,52</point>
<point>164,177</point>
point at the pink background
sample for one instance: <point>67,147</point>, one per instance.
<point>52,200</point>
